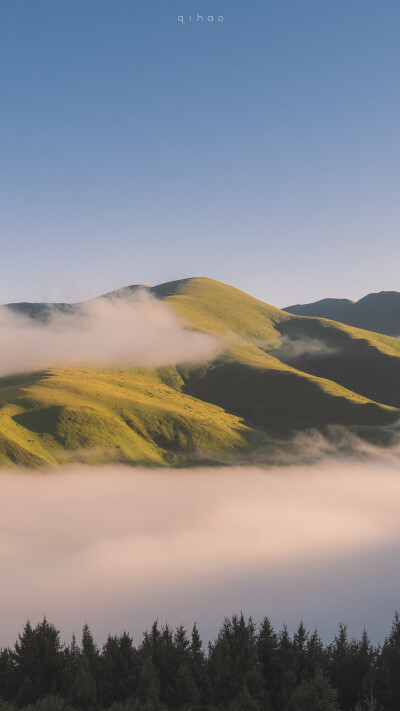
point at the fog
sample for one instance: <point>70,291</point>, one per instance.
<point>140,331</point>
<point>296,347</point>
<point>120,547</point>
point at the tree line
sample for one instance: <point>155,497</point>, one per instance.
<point>246,668</point>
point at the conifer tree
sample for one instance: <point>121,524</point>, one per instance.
<point>118,678</point>
<point>72,655</point>
<point>38,661</point>
<point>314,695</point>
<point>198,665</point>
<point>340,663</point>
<point>300,646</point>
<point>287,670</point>
<point>149,687</point>
<point>364,674</point>
<point>269,662</point>
<point>187,693</point>
<point>90,649</point>
<point>245,702</point>
<point>233,661</point>
<point>7,675</point>
<point>388,668</point>
<point>83,691</point>
<point>316,656</point>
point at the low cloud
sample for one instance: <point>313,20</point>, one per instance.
<point>295,348</point>
<point>365,443</point>
<point>140,331</point>
<point>121,547</point>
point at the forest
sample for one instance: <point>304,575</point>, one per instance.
<point>247,667</point>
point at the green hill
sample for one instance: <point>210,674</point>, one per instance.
<point>277,374</point>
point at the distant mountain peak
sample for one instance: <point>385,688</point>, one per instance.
<point>379,312</point>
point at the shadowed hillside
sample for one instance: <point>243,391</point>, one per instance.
<point>275,375</point>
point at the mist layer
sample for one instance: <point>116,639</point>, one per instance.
<point>141,331</point>
<point>120,547</point>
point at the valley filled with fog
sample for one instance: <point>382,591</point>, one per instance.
<point>119,547</point>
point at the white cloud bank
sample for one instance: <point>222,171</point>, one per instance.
<point>141,331</point>
<point>120,547</point>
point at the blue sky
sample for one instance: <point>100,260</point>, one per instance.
<point>262,151</point>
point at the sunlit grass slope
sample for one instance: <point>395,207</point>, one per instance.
<point>221,309</point>
<point>276,374</point>
<point>94,415</point>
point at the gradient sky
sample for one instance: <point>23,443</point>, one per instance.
<point>262,151</point>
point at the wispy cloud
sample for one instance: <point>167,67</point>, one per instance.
<point>140,331</point>
<point>297,347</point>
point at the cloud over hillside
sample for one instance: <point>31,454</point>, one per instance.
<point>141,331</point>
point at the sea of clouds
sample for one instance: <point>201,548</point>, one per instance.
<point>120,547</point>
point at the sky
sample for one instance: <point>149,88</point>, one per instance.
<point>261,150</point>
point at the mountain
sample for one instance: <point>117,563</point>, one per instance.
<point>375,312</point>
<point>277,375</point>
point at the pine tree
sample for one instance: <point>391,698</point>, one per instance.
<point>364,673</point>
<point>158,646</point>
<point>181,646</point>
<point>316,656</point>
<point>38,660</point>
<point>196,646</point>
<point>287,670</point>
<point>388,669</point>
<point>72,655</point>
<point>300,645</point>
<point>314,695</point>
<point>83,691</point>
<point>90,649</point>
<point>245,702</point>
<point>118,676</point>
<point>187,693</point>
<point>149,688</point>
<point>198,665</point>
<point>341,672</point>
<point>233,661</point>
<point>7,675</point>
<point>352,668</point>
<point>269,662</point>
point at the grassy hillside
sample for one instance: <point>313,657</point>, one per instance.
<point>94,415</point>
<point>276,374</point>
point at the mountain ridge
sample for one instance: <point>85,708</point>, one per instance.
<point>378,311</point>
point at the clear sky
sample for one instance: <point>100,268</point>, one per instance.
<point>262,151</point>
